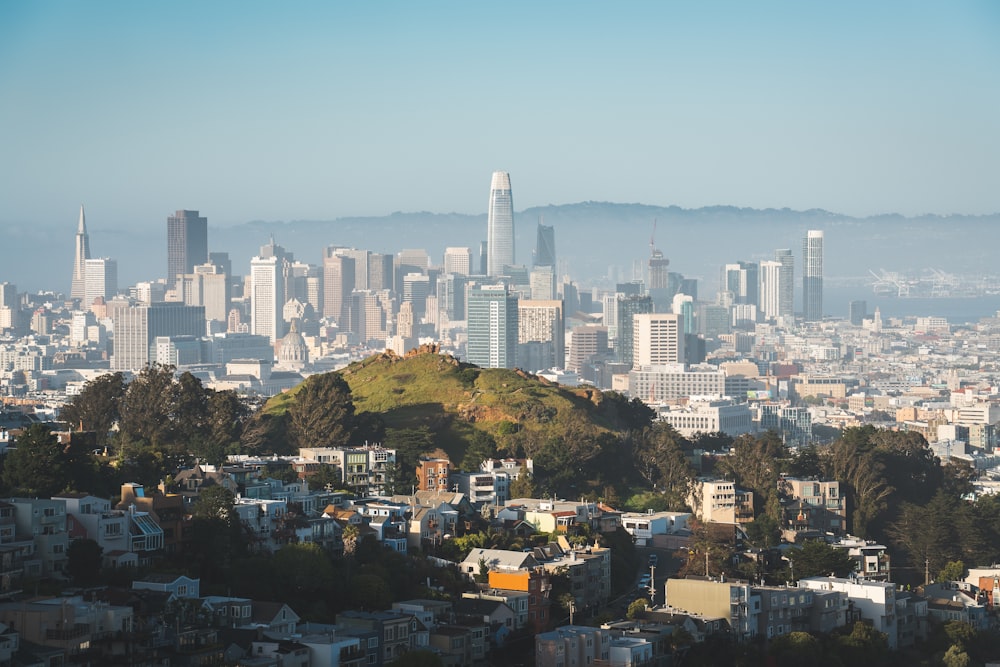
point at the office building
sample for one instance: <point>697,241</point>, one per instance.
<point>416,289</point>
<point>368,317</point>
<point>812,276</point>
<point>267,290</point>
<point>742,279</point>
<point>137,327</point>
<point>627,307</point>
<point>500,225</point>
<point>492,327</point>
<point>545,247</point>
<point>101,280</point>
<point>542,283</point>
<point>458,261</point>
<point>661,287</point>
<point>786,282</point>
<point>450,290</point>
<point>381,272</point>
<point>208,286</point>
<point>187,243</point>
<point>858,311</point>
<point>770,289</point>
<point>659,384</point>
<point>80,257</point>
<point>338,283</point>
<point>541,335</point>
<point>658,339</point>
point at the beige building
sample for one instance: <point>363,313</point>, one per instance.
<point>720,501</point>
<point>657,339</point>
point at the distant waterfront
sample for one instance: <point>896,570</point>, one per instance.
<point>957,310</point>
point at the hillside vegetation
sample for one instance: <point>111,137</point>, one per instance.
<point>454,401</point>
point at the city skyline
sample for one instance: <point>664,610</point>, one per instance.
<point>851,108</point>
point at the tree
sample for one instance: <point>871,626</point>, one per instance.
<point>83,560</point>
<point>796,648</point>
<point>148,408</point>
<point>37,466</point>
<point>328,476</point>
<point>659,459</point>
<point>954,570</point>
<point>754,465</point>
<point>96,407</point>
<point>350,538</point>
<point>523,486</point>
<point>816,558</point>
<point>955,656</point>
<point>217,533</point>
<point>637,608</point>
<point>481,447</point>
<point>370,592</point>
<point>322,414</point>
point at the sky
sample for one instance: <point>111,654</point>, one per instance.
<point>320,110</point>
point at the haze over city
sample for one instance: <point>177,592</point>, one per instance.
<point>320,111</point>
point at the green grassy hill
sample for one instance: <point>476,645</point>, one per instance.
<point>454,400</point>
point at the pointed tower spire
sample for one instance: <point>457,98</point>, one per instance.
<point>79,287</point>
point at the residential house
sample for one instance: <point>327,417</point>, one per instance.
<point>572,646</point>
<point>875,601</point>
<point>657,528</point>
<point>176,585</point>
<point>92,518</point>
<point>433,473</point>
<point>165,509</point>
<point>720,501</point>
<point>190,482</point>
<point>393,632</point>
<point>45,521</point>
<point>812,505</point>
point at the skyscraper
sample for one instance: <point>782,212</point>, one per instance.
<point>458,260</point>
<point>78,290</point>
<point>500,225</point>
<point>267,296</point>
<point>545,246</point>
<point>812,276</point>
<point>187,244</point>
<point>137,327</point>
<point>338,283</point>
<point>742,279</point>
<point>786,280</point>
<point>493,328</point>
<point>628,307</point>
<point>658,339</point>
<point>660,289</point>
<point>101,280</point>
<point>541,335</point>
<point>770,289</point>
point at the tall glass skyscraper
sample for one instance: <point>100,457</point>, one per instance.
<point>812,276</point>
<point>187,244</point>
<point>545,246</point>
<point>493,327</point>
<point>500,225</point>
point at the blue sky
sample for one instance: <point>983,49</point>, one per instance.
<point>317,110</point>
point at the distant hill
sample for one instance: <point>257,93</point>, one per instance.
<point>591,238</point>
<point>454,400</point>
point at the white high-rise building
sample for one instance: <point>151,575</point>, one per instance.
<point>78,289</point>
<point>770,289</point>
<point>101,280</point>
<point>541,334</point>
<point>658,339</point>
<point>812,276</point>
<point>267,294</point>
<point>458,261</point>
<point>500,225</point>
